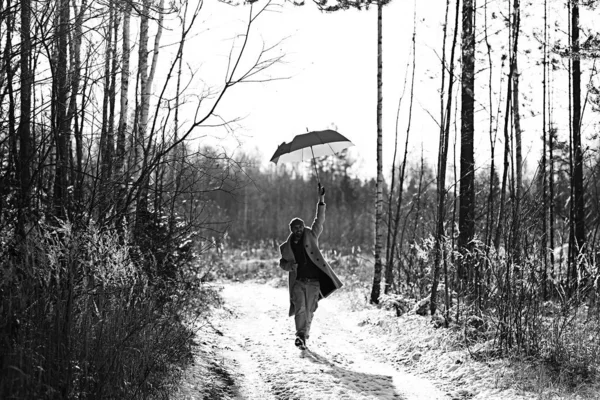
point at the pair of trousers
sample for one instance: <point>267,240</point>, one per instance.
<point>305,297</point>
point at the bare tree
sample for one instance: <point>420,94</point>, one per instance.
<point>466,219</point>
<point>24,130</point>
<point>445,118</point>
<point>123,126</point>
<point>578,222</point>
<point>544,167</point>
<point>390,262</point>
<point>516,234</point>
<point>72,115</point>
<point>61,182</point>
<point>107,143</point>
<point>376,289</point>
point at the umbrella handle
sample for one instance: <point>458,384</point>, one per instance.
<point>315,165</point>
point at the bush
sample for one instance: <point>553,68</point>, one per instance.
<point>81,320</point>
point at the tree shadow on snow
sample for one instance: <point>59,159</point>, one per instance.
<point>361,382</point>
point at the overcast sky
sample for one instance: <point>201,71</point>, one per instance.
<point>330,62</point>
<point>330,66</point>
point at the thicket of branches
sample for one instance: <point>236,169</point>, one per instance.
<point>104,205</point>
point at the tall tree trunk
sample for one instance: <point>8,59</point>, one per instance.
<point>578,188</point>
<point>389,243</point>
<point>106,138</point>
<point>179,163</point>
<point>376,289</point>
<point>545,205</point>
<point>500,220</point>
<point>443,155</point>
<point>505,336</point>
<point>144,106</point>
<point>14,155</point>
<point>61,192</point>
<point>404,160</point>
<point>145,134</point>
<point>122,129</point>
<point>61,179</point>
<point>75,44</point>
<point>551,194</point>
<point>388,246</point>
<point>24,131</point>
<point>492,137</point>
<point>507,141</point>
<point>466,218</point>
<point>516,243</point>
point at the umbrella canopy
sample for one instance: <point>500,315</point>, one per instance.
<point>310,145</point>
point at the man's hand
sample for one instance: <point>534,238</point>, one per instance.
<point>321,193</point>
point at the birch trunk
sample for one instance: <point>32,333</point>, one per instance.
<point>376,289</point>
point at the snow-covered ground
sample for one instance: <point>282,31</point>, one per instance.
<point>249,354</point>
<point>258,349</point>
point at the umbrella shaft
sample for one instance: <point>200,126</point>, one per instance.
<point>315,164</point>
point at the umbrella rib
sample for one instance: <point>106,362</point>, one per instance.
<point>328,144</point>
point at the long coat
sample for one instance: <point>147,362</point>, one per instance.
<point>329,281</point>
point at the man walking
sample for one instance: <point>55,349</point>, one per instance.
<point>310,276</point>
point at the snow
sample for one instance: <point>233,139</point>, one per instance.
<point>258,347</point>
<point>356,351</point>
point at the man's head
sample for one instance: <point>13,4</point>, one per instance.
<point>297,228</point>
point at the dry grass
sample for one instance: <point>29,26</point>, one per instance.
<point>81,320</point>
<point>464,359</point>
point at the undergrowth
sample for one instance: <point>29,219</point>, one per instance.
<point>557,338</point>
<point>80,319</point>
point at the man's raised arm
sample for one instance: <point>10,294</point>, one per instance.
<point>317,225</point>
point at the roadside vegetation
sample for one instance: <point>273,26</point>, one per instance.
<point>465,358</point>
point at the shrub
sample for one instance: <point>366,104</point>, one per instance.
<point>83,321</point>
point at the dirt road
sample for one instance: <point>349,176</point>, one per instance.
<point>261,361</point>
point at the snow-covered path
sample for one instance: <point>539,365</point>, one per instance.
<point>259,353</point>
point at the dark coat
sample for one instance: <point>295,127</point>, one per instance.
<point>329,280</point>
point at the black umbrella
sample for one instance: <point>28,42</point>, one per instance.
<point>309,145</point>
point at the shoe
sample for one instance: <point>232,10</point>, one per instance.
<point>300,343</point>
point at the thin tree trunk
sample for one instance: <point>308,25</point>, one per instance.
<point>147,135</point>
<point>404,161</point>
<point>443,155</point>
<point>24,130</point>
<point>544,162</point>
<point>106,135</point>
<point>376,289</point>
<point>389,243</point>
<point>76,40</point>
<point>112,94</point>
<point>14,155</point>
<point>516,243</point>
<point>578,188</point>
<point>179,163</point>
<point>61,192</point>
<point>507,113</point>
<point>492,136</point>
<point>61,205</point>
<point>571,255</point>
<point>142,124</point>
<point>122,129</point>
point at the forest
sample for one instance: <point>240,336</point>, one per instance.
<point>114,221</point>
